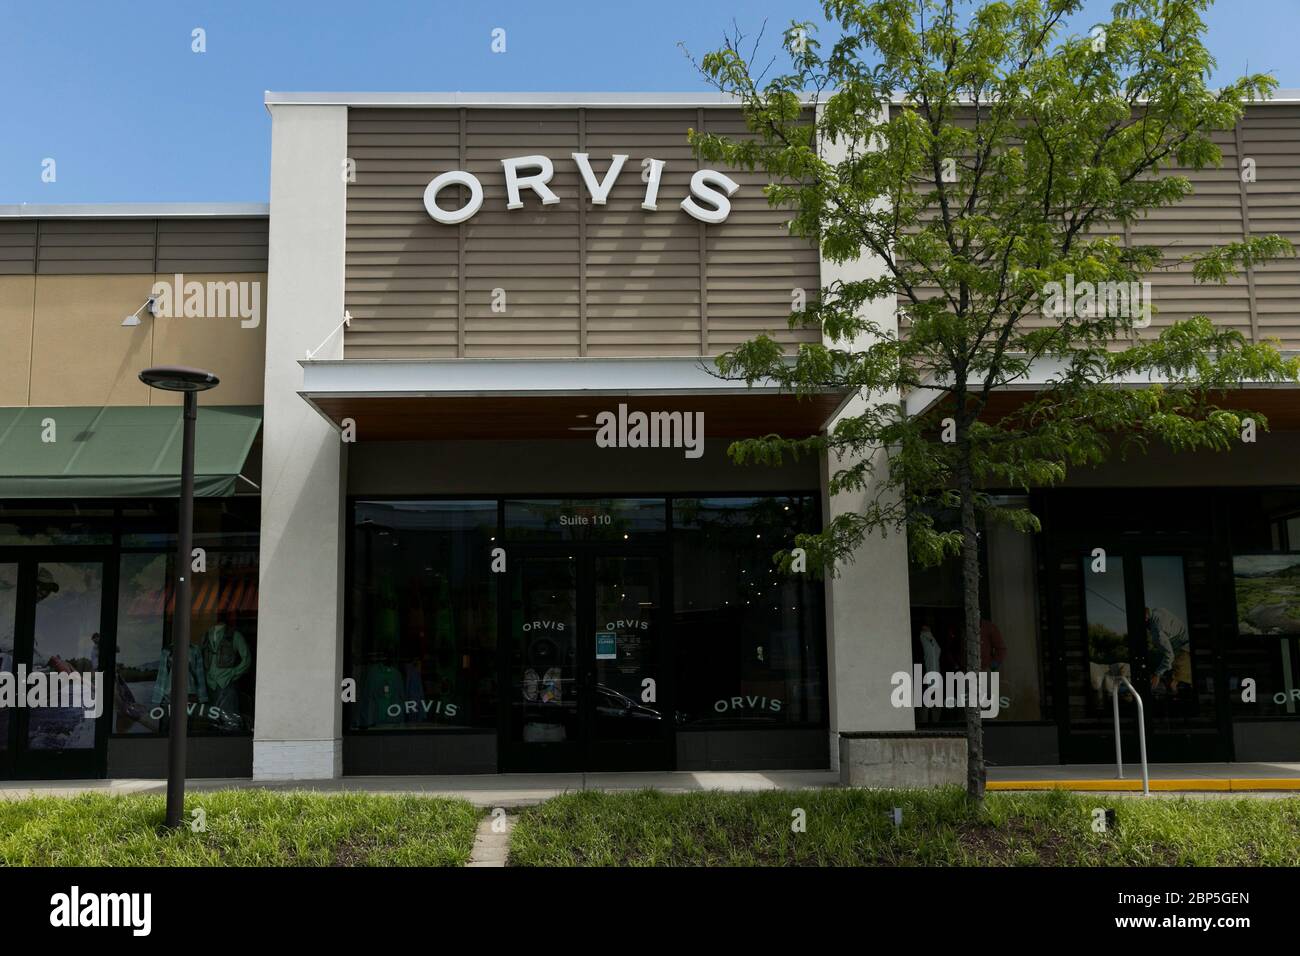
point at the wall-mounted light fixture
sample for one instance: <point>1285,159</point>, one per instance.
<point>133,319</point>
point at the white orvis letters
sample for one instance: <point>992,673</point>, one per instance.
<point>456,177</point>
<point>536,182</point>
<point>599,191</point>
<point>709,201</point>
<point>700,184</point>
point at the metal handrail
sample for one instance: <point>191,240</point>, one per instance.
<point>1142,732</point>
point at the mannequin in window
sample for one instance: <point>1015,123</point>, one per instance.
<point>226,658</point>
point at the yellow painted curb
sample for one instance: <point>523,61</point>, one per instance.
<point>1204,784</point>
<point>1280,783</point>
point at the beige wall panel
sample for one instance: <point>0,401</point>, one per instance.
<point>237,355</point>
<point>16,314</point>
<point>81,354</point>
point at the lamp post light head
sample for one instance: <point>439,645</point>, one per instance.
<point>178,378</point>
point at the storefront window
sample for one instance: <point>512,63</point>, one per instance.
<point>597,519</point>
<point>749,639</point>
<point>422,647</point>
<point>8,629</point>
<point>218,523</point>
<point>1009,621</point>
<point>222,652</point>
<point>29,525</point>
<point>1264,630</point>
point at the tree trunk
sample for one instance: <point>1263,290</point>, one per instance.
<point>970,576</point>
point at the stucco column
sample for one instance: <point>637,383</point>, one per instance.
<point>868,609</point>
<point>300,607</point>
<point>868,623</point>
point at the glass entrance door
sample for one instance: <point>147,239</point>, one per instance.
<point>543,717</point>
<point>629,729</point>
<point>52,617</point>
<point>584,687</point>
<point>1143,616</point>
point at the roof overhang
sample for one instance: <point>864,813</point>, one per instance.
<point>500,399</point>
<point>124,451</point>
<point>1278,401</point>
<point>575,100</point>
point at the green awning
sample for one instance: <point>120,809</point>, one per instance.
<point>121,451</point>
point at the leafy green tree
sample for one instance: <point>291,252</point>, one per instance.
<point>979,154</point>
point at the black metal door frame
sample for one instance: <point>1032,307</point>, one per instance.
<point>585,754</point>
<point>1131,549</point>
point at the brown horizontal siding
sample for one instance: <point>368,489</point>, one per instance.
<point>401,274</point>
<point>643,268</point>
<point>93,247</point>
<point>612,280</point>
<point>1271,136</point>
<point>17,247</point>
<point>532,280</point>
<point>214,245</point>
<point>132,246</point>
<point>1214,213</point>
<point>754,265</point>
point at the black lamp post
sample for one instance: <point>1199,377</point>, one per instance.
<point>190,381</point>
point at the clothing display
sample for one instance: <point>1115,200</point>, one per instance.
<point>381,695</point>
<point>198,678</point>
<point>225,656</point>
<point>930,650</point>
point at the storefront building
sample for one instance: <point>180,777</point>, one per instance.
<point>467,504</point>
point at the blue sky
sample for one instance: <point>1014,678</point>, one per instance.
<point>112,92</point>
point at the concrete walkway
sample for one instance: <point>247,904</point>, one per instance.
<point>526,789</point>
<point>492,841</point>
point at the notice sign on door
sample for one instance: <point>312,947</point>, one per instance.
<point>606,646</point>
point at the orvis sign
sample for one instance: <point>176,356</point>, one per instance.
<point>708,201</point>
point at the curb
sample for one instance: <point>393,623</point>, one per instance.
<point>1221,785</point>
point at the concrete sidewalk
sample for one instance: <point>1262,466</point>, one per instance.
<point>524,789</point>
<point>484,790</point>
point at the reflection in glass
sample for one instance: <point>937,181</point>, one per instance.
<point>1106,612</point>
<point>222,652</point>
<point>8,628</point>
<point>142,630</point>
<point>627,651</point>
<point>68,598</point>
<point>599,519</point>
<point>1265,541</point>
<point>27,525</point>
<point>543,653</point>
<point>750,650</point>
<point>1164,613</point>
<point>424,619</point>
